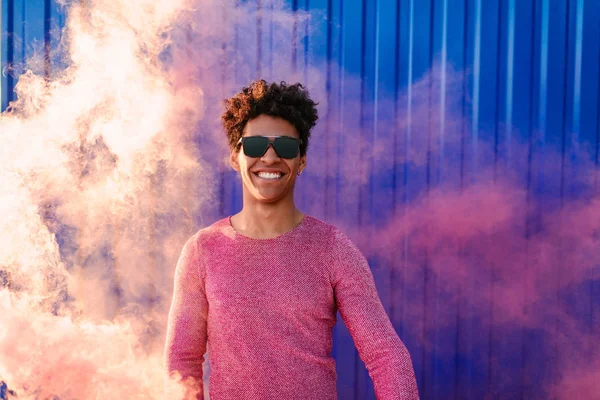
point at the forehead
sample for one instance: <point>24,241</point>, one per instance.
<point>269,126</point>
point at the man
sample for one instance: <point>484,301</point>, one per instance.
<point>262,287</point>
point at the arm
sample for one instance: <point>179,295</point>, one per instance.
<point>385,356</point>
<point>186,330</point>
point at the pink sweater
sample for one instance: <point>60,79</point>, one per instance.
<point>267,307</point>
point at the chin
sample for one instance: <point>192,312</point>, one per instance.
<point>268,199</point>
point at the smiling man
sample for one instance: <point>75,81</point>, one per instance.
<point>262,288</point>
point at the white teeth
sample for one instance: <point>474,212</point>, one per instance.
<point>269,175</point>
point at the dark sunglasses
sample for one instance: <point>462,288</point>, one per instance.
<point>256,146</point>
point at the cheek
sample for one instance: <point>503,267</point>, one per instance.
<point>245,163</point>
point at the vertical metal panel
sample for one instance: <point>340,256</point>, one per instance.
<point>29,27</point>
<point>531,74</point>
<point>348,196</point>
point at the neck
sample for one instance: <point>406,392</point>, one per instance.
<point>267,220</point>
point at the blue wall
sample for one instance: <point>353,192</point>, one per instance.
<point>28,27</point>
<point>445,92</point>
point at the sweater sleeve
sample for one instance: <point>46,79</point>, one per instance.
<point>385,356</point>
<point>186,330</point>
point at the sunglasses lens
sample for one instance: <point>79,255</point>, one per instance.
<point>255,146</point>
<point>286,147</point>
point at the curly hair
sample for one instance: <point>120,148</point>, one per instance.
<point>290,102</point>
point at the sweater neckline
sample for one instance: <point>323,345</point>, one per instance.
<point>282,236</point>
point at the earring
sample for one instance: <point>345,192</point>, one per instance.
<point>299,173</point>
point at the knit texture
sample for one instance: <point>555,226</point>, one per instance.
<point>266,309</point>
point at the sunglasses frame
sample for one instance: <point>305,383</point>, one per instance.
<point>271,143</point>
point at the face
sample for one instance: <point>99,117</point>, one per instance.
<point>264,189</point>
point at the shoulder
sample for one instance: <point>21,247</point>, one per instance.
<point>331,234</point>
<point>316,226</point>
<point>219,230</point>
<point>209,236</point>
<point>346,261</point>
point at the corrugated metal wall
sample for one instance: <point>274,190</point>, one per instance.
<point>28,28</point>
<point>442,93</point>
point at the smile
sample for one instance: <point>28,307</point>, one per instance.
<point>269,176</point>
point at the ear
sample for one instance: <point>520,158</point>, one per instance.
<point>233,160</point>
<point>302,163</point>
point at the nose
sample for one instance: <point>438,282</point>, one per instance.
<point>270,155</point>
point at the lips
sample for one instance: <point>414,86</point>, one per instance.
<point>271,171</point>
